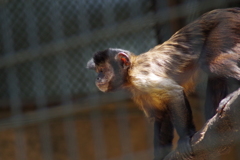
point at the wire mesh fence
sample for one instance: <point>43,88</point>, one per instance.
<point>50,107</point>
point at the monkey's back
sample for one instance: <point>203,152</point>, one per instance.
<point>214,37</point>
<point>220,53</point>
<point>211,43</point>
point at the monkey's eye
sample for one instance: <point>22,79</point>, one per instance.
<point>100,70</point>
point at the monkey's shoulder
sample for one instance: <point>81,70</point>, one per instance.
<point>152,82</point>
<point>152,93</point>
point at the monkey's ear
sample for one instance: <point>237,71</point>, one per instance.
<point>124,60</point>
<point>91,64</point>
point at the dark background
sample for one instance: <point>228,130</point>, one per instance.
<point>49,105</point>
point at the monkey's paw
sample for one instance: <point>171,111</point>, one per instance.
<point>224,102</point>
<point>185,148</point>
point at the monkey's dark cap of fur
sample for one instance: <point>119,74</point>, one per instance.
<point>102,56</point>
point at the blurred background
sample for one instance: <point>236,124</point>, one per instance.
<point>50,108</point>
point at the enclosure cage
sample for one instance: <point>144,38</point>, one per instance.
<point>50,107</point>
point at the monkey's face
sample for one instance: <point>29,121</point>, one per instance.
<point>104,78</point>
<point>110,68</point>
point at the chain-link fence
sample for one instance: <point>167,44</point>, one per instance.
<point>50,107</point>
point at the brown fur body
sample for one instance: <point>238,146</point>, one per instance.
<point>210,43</point>
<point>160,78</point>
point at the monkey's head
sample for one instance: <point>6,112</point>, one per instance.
<point>112,67</point>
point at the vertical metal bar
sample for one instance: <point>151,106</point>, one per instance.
<point>38,79</point>
<point>135,7</point>
<point>13,84</point>
<point>30,19</point>
<point>108,13</point>
<point>191,5</point>
<point>237,154</point>
<point>149,130</point>
<point>15,103</point>
<point>56,19</point>
<point>123,124</point>
<point>98,135</point>
<point>176,23</point>
<point>157,26</point>
<point>95,116</point>
<point>70,128</point>
<point>6,30</point>
<point>83,15</point>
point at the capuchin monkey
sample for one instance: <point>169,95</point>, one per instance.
<point>160,79</point>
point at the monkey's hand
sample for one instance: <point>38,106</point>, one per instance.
<point>185,148</point>
<point>224,102</point>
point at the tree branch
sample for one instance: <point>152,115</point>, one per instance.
<point>217,135</point>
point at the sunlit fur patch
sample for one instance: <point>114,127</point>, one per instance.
<point>153,92</point>
<point>190,84</point>
<point>226,64</point>
<point>144,72</point>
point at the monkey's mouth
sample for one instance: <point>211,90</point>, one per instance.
<point>102,86</point>
<point>106,87</point>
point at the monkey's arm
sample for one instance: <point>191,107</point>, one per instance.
<point>182,120</point>
<point>181,114</point>
<point>165,100</point>
<point>163,135</point>
<point>226,126</point>
<point>178,114</point>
